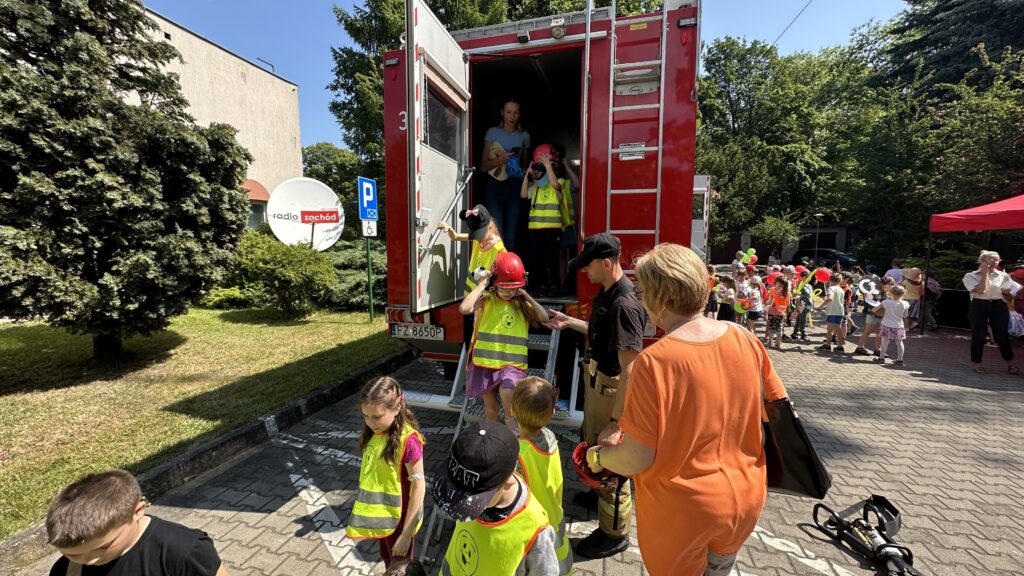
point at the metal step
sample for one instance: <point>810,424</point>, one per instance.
<point>538,372</point>
<point>637,64</point>
<point>635,107</point>
<point>539,341</point>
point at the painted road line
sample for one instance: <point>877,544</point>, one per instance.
<point>326,522</point>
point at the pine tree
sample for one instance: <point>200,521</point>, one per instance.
<point>942,33</point>
<point>116,210</point>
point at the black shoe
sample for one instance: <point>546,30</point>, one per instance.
<point>600,545</point>
<point>586,500</point>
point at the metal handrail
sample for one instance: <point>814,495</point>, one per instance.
<point>455,202</point>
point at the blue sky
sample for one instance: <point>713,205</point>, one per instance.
<point>296,36</point>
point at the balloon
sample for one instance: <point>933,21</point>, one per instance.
<point>745,259</point>
<point>822,275</point>
<point>800,269</point>
<point>817,298</point>
<point>751,251</point>
<point>769,280</point>
<point>867,287</point>
<point>753,259</point>
<point>742,306</point>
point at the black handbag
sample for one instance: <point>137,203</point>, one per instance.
<point>793,465</point>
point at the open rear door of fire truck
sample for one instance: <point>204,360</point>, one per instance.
<point>438,124</point>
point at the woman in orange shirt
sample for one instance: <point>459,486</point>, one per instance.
<point>692,425</point>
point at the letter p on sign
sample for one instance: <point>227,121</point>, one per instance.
<point>367,192</point>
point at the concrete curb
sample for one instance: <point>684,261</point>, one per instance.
<point>29,545</point>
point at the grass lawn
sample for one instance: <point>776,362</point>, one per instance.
<point>62,416</point>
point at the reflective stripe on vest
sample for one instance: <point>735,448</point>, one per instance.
<point>545,211</point>
<point>494,549</point>
<point>479,258</point>
<point>501,335</point>
<point>378,505</point>
<point>543,474</point>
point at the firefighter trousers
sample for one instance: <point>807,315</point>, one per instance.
<point>598,402</point>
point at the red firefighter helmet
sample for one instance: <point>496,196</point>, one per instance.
<point>602,479</point>
<point>543,149</point>
<point>508,271</point>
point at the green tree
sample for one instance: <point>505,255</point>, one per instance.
<point>776,232</point>
<point>116,210</point>
<point>981,136</point>
<point>338,168</point>
<point>941,34</point>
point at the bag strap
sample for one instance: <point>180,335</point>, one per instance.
<point>74,569</point>
<point>760,368</point>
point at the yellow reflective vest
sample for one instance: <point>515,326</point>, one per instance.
<point>501,334</point>
<point>541,467</point>
<point>378,506</point>
<point>480,258</point>
<point>566,209</point>
<point>479,548</point>
<point>545,208</point>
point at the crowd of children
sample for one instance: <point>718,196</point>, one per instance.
<point>787,295</point>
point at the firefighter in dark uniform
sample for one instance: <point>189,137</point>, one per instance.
<point>615,334</point>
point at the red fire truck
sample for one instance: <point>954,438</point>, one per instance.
<point>619,93</point>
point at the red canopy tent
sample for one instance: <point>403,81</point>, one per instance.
<point>1005,214</point>
<point>1002,215</point>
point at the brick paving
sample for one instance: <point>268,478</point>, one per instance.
<point>944,444</point>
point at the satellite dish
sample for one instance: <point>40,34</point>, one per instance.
<point>304,210</point>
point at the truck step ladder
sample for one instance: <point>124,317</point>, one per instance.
<point>635,74</point>
<point>473,410</point>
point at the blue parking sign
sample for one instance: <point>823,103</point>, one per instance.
<point>366,189</point>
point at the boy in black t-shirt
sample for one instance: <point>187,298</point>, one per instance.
<point>98,524</point>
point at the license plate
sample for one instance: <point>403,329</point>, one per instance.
<point>418,331</point>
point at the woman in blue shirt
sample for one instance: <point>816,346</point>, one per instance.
<point>505,148</point>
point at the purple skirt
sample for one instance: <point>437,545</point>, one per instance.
<point>480,380</point>
<point>891,333</point>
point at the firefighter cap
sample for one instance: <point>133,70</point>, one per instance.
<point>596,247</point>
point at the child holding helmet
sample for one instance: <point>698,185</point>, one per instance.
<point>544,190</point>
<point>498,352</point>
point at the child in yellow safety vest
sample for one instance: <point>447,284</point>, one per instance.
<point>570,234</point>
<point>501,529</point>
<point>498,352</point>
<point>545,222</point>
<point>485,247</point>
<point>533,404</point>
<point>485,238</point>
<point>389,505</point>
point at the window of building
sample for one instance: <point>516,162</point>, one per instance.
<point>257,214</point>
<point>698,206</point>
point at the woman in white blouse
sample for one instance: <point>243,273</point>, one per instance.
<point>988,286</point>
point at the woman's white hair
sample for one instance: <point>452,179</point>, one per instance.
<point>988,254</point>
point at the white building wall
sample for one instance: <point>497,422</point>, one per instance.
<point>225,88</point>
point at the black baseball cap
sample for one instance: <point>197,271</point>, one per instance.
<point>477,218</point>
<point>480,461</point>
<point>596,247</point>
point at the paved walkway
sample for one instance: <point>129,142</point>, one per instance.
<point>944,444</point>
